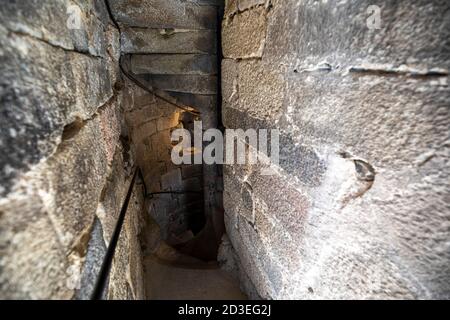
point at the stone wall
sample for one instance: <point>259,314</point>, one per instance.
<point>151,122</point>
<point>359,206</point>
<point>65,164</point>
<point>170,48</point>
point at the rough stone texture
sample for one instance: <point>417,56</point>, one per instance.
<point>151,121</point>
<point>137,40</point>
<point>64,164</point>
<point>359,206</point>
<point>229,262</point>
<point>96,251</point>
<point>165,14</point>
<point>245,34</point>
<point>177,64</point>
<point>173,49</point>
<point>171,178</point>
<point>48,21</point>
<point>196,84</point>
<point>57,201</point>
<point>203,102</point>
<point>126,277</point>
<point>53,88</point>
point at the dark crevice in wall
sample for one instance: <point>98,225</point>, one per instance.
<point>57,46</point>
<point>72,129</point>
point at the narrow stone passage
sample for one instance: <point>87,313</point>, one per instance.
<point>177,57</point>
<point>348,100</point>
<point>170,274</point>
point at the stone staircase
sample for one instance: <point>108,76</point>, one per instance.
<point>171,45</point>
<point>195,280</point>
<point>173,275</point>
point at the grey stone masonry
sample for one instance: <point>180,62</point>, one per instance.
<point>165,14</point>
<point>144,40</point>
<point>196,84</point>
<point>358,207</point>
<point>64,167</point>
<point>177,64</point>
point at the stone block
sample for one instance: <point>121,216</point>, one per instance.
<point>406,35</point>
<point>254,88</point>
<point>67,86</point>
<point>152,173</point>
<point>230,83</point>
<point>171,180</point>
<point>49,22</point>
<point>201,102</point>
<point>144,131</point>
<point>66,187</point>
<point>137,117</point>
<point>183,83</point>
<point>165,14</point>
<point>169,41</point>
<point>244,34</point>
<point>231,8</point>
<point>175,64</point>
<point>169,122</point>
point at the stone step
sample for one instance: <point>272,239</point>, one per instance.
<point>182,83</point>
<point>199,101</point>
<point>165,14</point>
<point>166,281</point>
<point>139,40</point>
<point>188,64</point>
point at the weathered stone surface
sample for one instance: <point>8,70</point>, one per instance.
<point>165,14</point>
<point>53,88</point>
<point>230,83</point>
<point>64,191</point>
<point>229,262</point>
<point>138,40</point>
<point>203,103</point>
<point>230,8</point>
<point>171,180</point>
<point>239,92</point>
<point>343,96</point>
<point>176,64</point>
<point>247,4</point>
<point>127,274</point>
<point>244,34</point>
<point>345,40</point>
<point>63,164</point>
<point>206,85</point>
<point>51,21</point>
